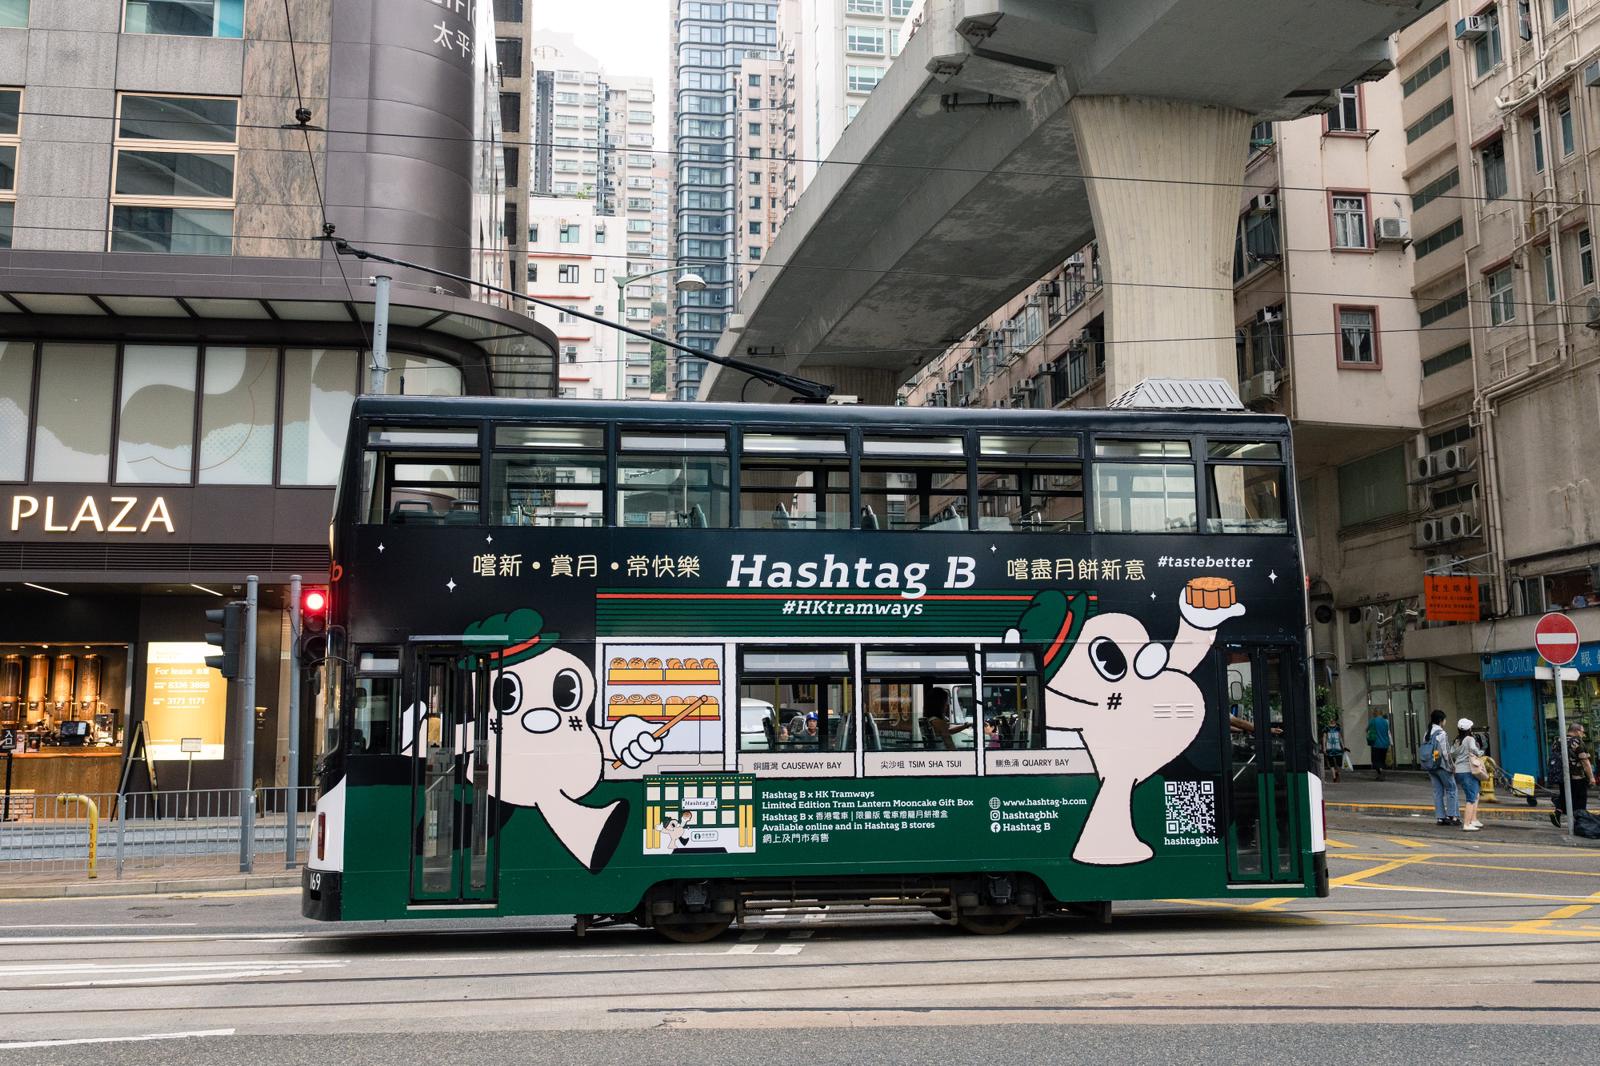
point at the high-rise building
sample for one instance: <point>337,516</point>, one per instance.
<point>710,41</point>
<point>592,222</point>
<point>513,43</point>
<point>180,350</point>
<point>1501,115</point>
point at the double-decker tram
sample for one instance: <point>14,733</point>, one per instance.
<point>678,664</point>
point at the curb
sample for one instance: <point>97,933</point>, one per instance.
<point>90,889</point>
<point>1487,814</point>
<point>1506,831</point>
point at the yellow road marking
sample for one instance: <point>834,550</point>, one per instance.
<point>1462,891</point>
<point>1486,929</point>
<point>1516,869</point>
<point>1404,843</point>
<point>1338,844</point>
<point>1387,915</point>
<point>1373,871</point>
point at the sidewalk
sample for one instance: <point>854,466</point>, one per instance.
<point>1403,802</point>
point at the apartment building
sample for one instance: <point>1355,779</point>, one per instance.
<point>179,351</point>
<point>513,44</point>
<point>1501,111</point>
<point>710,42</point>
<point>759,146</point>
<point>592,215</point>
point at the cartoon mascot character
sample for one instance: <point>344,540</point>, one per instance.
<point>1128,697</point>
<point>544,749</point>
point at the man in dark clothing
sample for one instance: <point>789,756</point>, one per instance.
<point>1378,740</point>
<point>1579,771</point>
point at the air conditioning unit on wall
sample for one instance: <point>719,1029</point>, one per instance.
<point>1471,28</point>
<point>1262,386</point>
<point>1392,231</point>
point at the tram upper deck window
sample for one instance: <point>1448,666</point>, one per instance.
<point>548,476</point>
<point>794,482</point>
<point>1030,485</point>
<point>910,483</point>
<point>1246,487</point>
<point>795,701</point>
<point>410,479</point>
<point>1144,486</point>
<point>921,699</point>
<point>673,480</point>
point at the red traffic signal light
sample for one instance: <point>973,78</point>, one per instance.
<point>315,601</point>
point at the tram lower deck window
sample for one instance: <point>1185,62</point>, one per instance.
<point>795,701</point>
<point>921,699</point>
<point>1013,707</point>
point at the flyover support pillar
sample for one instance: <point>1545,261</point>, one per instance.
<point>1164,182</point>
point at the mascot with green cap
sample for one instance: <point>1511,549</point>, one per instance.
<point>546,752</point>
<point>1129,698</point>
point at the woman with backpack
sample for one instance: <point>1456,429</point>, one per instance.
<point>1434,754</point>
<point>1469,770</point>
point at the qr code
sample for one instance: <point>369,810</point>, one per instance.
<point>1191,808</point>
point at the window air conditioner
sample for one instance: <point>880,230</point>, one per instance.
<point>1427,467</point>
<point>1050,290</point>
<point>1392,230</point>
<point>1430,531</point>
<point>1459,526</point>
<point>1262,386</point>
<point>1456,459</point>
<point>997,338</point>
<point>1264,204</point>
<point>1269,314</point>
<point>1471,28</point>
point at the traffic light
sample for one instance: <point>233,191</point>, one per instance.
<point>313,625</point>
<point>228,639</point>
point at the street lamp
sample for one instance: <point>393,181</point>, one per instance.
<point>690,282</point>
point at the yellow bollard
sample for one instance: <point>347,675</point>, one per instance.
<point>94,825</point>
<point>1486,788</point>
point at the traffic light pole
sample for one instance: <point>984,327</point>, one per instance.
<point>247,760</point>
<point>292,806</point>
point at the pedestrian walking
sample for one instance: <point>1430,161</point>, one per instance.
<point>1378,740</point>
<point>1579,769</point>
<point>1435,758</point>
<point>1333,750</point>
<point>1469,770</point>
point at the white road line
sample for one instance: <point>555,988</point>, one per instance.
<point>117,1039</point>
<point>175,938</point>
<point>174,979</point>
<point>48,969</point>
<point>108,925</point>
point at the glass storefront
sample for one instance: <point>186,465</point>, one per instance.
<point>67,705</point>
<point>1399,690</point>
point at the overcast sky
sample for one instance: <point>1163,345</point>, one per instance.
<point>629,37</point>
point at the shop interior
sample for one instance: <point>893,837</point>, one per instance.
<point>57,697</point>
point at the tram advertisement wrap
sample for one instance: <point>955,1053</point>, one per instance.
<point>772,706</point>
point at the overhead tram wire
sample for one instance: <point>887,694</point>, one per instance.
<point>864,164</point>
<point>835,269</point>
<point>302,115</point>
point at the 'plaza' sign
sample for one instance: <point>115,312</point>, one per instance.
<point>91,514</point>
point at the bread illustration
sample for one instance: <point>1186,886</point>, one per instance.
<point>1210,593</point>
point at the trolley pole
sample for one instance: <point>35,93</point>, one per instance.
<point>247,767</point>
<point>291,854</point>
<point>380,335</point>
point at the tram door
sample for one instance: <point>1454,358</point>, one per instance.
<point>1267,724</point>
<point>453,855</point>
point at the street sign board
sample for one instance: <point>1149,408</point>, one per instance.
<point>1556,639</point>
<point>8,741</point>
<point>1451,599</point>
<point>191,745</point>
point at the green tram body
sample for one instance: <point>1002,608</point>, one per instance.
<point>480,684</point>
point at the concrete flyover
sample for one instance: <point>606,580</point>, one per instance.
<point>971,171</point>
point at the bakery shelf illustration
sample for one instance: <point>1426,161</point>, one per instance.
<point>638,671</point>
<point>655,708</point>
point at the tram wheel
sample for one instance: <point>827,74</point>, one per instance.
<point>990,924</point>
<point>695,932</point>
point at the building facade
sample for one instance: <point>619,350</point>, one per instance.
<point>1501,109</point>
<point>710,41</point>
<point>179,349</point>
<point>592,216</point>
<point>513,47</point>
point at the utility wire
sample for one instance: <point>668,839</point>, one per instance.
<point>932,275</point>
<point>303,119</point>
<point>926,167</point>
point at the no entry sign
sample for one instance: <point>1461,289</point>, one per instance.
<point>1556,638</point>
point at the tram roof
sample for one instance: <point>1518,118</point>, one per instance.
<point>1140,421</point>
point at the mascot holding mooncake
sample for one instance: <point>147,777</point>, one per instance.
<point>1130,698</point>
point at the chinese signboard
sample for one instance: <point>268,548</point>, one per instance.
<point>184,699</point>
<point>1451,599</point>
